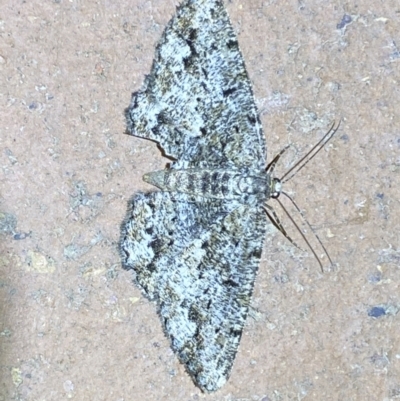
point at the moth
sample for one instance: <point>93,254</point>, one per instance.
<point>195,245</point>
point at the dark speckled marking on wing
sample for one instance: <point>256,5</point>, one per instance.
<point>197,102</point>
<point>195,246</point>
<point>198,261</point>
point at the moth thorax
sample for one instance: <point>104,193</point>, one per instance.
<point>254,184</point>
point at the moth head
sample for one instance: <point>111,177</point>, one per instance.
<point>276,188</point>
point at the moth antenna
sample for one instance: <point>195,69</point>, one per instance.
<point>311,154</point>
<point>271,166</point>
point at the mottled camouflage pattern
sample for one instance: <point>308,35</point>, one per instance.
<point>196,245</point>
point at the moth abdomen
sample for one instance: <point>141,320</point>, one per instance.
<point>212,183</point>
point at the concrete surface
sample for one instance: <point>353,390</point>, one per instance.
<point>73,326</point>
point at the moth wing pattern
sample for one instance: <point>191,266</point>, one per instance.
<point>159,224</point>
<point>199,266</point>
<point>197,102</point>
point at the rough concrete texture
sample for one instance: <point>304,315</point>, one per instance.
<point>73,326</point>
